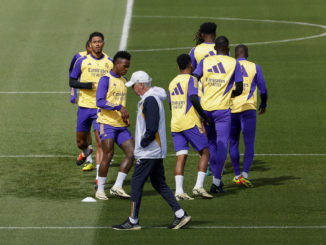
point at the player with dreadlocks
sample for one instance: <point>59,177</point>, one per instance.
<point>205,42</point>
<point>204,38</point>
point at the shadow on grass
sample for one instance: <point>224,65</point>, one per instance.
<point>232,188</point>
<point>274,181</point>
<point>257,165</point>
<point>259,182</point>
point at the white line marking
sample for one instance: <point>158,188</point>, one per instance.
<point>171,155</point>
<point>237,19</point>
<point>156,227</point>
<point>34,92</point>
<point>36,156</point>
<point>122,46</point>
<point>232,19</point>
<point>126,26</point>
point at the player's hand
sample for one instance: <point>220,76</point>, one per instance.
<point>93,85</point>
<point>124,114</point>
<point>127,122</point>
<point>209,121</point>
<point>232,94</point>
<point>262,110</point>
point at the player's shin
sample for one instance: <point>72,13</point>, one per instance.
<point>179,169</point>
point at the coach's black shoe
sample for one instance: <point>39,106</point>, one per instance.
<point>127,225</point>
<point>217,189</point>
<point>180,222</point>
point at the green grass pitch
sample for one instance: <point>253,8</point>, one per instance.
<point>38,40</point>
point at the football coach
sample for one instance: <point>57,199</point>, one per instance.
<point>150,149</point>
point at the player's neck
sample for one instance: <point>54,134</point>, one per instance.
<point>97,55</point>
<point>209,39</point>
<point>186,71</point>
<point>115,71</point>
<point>222,52</point>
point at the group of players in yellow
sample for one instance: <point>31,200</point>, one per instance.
<point>212,100</point>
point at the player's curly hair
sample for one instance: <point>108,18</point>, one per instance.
<point>205,28</point>
<point>95,34</point>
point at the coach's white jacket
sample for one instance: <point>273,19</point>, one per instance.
<point>157,148</point>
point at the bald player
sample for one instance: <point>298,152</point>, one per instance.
<point>218,74</point>
<point>243,117</point>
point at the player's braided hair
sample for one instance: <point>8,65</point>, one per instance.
<point>198,38</point>
<point>205,28</point>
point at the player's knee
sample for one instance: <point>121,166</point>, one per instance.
<point>130,156</point>
<point>109,154</point>
<point>205,153</point>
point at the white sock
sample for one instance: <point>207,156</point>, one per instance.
<point>133,220</point>
<point>238,176</point>
<point>180,213</point>
<point>178,184</point>
<point>216,182</point>
<point>200,179</point>
<point>97,169</point>
<point>101,183</point>
<point>89,159</point>
<point>245,175</point>
<point>120,179</point>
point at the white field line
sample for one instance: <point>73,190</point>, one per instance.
<point>126,25</point>
<point>237,19</point>
<point>34,92</point>
<point>122,46</point>
<point>157,227</point>
<point>173,155</point>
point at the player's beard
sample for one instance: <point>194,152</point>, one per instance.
<point>98,52</point>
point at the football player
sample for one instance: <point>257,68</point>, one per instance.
<point>243,115</point>
<point>85,76</point>
<point>186,127</point>
<point>113,119</point>
<point>219,73</point>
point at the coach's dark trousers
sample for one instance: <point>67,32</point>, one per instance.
<point>155,170</point>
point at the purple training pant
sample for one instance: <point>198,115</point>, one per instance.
<point>218,138</point>
<point>246,122</point>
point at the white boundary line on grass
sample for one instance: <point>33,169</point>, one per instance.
<point>34,92</point>
<point>237,19</point>
<point>157,227</point>
<point>126,25</point>
<point>122,46</point>
<point>173,155</point>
